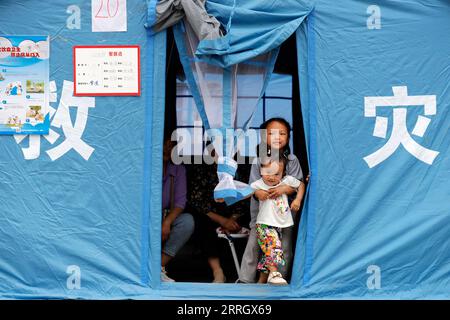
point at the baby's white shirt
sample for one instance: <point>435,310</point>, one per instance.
<point>275,212</point>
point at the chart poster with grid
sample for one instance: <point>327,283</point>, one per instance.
<point>106,70</point>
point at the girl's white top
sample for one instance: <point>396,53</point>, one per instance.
<point>275,212</point>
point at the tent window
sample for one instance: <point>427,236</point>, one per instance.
<point>276,102</point>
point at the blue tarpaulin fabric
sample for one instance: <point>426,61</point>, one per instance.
<point>253,28</point>
<point>60,215</point>
<point>379,200</point>
<point>372,226</point>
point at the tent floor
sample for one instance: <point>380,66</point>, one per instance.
<point>191,266</point>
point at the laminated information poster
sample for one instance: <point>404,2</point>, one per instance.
<point>24,84</point>
<point>106,70</point>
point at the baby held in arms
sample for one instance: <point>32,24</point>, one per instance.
<point>274,215</point>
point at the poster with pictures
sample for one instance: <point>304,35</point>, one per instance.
<point>24,84</point>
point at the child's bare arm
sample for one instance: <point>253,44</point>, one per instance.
<point>300,192</point>
<point>295,205</point>
<point>280,190</point>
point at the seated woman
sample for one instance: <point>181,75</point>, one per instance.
<point>209,215</point>
<point>177,227</point>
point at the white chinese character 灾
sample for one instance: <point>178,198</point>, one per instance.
<point>400,134</point>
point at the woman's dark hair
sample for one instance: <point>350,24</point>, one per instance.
<point>285,151</point>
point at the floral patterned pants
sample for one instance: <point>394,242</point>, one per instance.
<point>269,239</point>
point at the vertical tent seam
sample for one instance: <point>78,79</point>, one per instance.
<point>313,150</point>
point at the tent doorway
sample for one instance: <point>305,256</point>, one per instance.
<point>281,99</point>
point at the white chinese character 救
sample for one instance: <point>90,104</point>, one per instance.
<point>61,119</point>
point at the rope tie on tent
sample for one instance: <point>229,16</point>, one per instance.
<point>228,189</point>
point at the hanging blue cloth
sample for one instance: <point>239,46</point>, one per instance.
<point>218,96</point>
<point>253,28</point>
<point>275,21</point>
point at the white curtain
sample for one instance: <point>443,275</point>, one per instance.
<point>221,94</point>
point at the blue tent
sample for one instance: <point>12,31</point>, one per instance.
<point>374,83</point>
